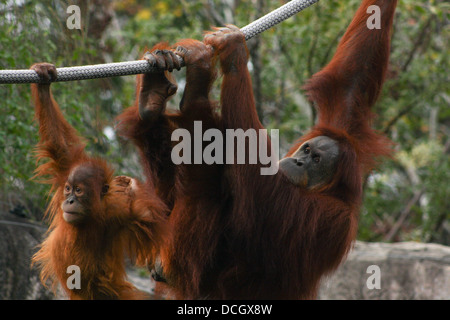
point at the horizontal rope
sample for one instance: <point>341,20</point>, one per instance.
<point>142,66</point>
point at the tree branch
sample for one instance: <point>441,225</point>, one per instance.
<point>403,215</point>
<point>417,43</point>
<point>402,112</point>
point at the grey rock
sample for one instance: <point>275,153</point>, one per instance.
<point>19,240</point>
<point>408,270</point>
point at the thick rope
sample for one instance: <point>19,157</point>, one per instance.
<point>143,66</point>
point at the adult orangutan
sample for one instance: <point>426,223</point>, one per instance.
<point>96,220</point>
<point>238,234</point>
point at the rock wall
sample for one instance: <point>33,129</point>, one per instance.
<point>18,241</point>
<point>402,270</point>
<point>407,270</point>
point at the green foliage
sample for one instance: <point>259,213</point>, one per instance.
<point>413,109</point>
<point>87,105</point>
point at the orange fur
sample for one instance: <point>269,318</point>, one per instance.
<point>129,221</point>
<point>238,234</point>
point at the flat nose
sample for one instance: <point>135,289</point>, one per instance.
<point>298,162</point>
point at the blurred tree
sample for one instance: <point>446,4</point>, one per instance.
<point>406,198</point>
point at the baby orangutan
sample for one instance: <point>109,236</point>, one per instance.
<point>96,220</point>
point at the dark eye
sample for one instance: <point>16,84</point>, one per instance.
<point>78,190</point>
<point>105,189</point>
<point>316,159</point>
<point>307,150</point>
<point>67,188</point>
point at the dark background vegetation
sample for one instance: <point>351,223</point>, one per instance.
<point>406,198</point>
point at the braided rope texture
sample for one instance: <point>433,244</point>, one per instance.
<point>275,17</point>
<point>142,66</point>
